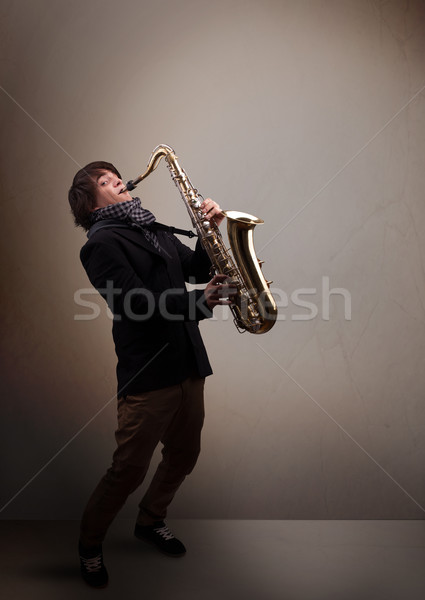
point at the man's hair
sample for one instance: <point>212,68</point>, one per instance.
<point>82,194</point>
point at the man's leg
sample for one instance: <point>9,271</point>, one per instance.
<point>142,421</point>
<point>181,449</point>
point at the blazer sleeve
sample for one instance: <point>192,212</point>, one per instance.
<point>110,272</point>
<point>195,263</point>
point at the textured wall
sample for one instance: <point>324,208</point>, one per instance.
<point>307,114</point>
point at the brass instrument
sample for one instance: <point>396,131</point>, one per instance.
<point>253,305</point>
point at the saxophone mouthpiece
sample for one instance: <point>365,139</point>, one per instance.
<point>130,186</point>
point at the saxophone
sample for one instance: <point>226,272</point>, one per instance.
<point>253,305</point>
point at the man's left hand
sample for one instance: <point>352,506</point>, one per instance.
<point>212,211</point>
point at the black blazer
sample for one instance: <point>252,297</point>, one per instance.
<point>155,326</point>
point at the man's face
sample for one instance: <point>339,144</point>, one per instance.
<point>108,190</point>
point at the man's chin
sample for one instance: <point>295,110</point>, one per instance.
<point>123,197</point>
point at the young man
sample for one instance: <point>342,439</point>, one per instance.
<point>162,361</point>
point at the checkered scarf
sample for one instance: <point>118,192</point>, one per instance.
<point>131,212</point>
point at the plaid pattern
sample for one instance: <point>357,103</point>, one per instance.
<point>131,212</point>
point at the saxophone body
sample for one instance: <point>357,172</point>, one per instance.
<point>253,306</point>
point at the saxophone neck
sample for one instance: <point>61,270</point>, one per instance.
<point>159,152</point>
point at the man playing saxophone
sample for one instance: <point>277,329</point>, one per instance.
<point>162,362</point>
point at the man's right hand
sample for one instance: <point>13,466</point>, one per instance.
<point>219,291</point>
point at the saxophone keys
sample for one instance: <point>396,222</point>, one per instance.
<point>260,262</point>
<point>269,282</point>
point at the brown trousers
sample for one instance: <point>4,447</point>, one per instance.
<point>173,416</point>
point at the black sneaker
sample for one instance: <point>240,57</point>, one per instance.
<point>93,570</point>
<point>160,536</point>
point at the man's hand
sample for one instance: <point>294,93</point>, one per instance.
<point>219,291</point>
<point>212,211</point>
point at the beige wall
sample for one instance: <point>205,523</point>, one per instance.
<point>306,114</point>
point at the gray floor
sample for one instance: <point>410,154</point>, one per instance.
<point>226,560</point>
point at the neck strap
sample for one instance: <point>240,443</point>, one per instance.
<point>108,223</point>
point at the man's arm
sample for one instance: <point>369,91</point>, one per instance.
<point>195,263</point>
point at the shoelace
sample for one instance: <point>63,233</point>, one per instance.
<point>92,564</point>
<point>164,532</point>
